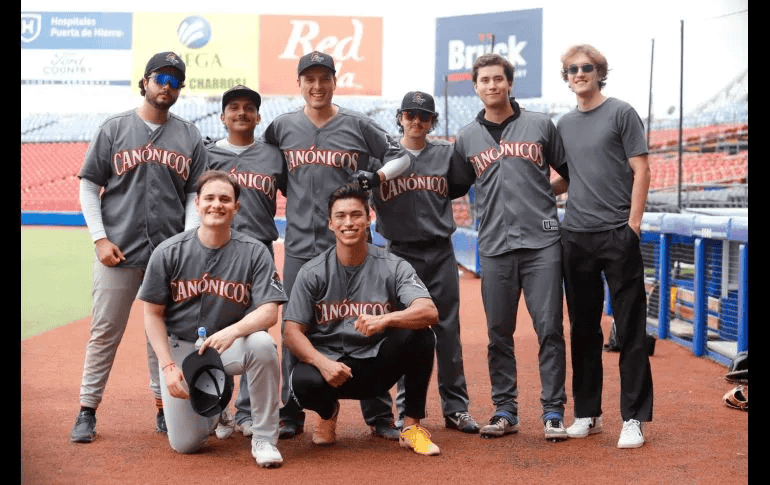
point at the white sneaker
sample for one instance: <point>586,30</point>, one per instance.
<point>631,436</point>
<point>225,426</point>
<point>266,454</point>
<point>583,427</point>
<point>244,427</point>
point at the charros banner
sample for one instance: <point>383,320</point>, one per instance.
<point>516,35</point>
<point>355,43</point>
<point>219,49</point>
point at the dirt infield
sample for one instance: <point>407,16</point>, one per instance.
<point>694,438</point>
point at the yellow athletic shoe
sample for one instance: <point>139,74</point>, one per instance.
<point>418,439</point>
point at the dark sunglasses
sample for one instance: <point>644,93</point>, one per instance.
<point>170,79</point>
<point>421,115</point>
<point>586,68</point>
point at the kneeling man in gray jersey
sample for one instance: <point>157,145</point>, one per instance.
<point>221,279</point>
<point>358,320</point>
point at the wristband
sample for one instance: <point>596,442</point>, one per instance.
<point>167,366</point>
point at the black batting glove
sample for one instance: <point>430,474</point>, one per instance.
<point>367,180</point>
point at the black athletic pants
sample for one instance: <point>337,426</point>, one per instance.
<point>407,353</point>
<point>617,253</point>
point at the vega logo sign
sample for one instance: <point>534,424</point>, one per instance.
<point>516,36</point>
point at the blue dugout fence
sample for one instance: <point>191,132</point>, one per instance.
<point>699,262</point>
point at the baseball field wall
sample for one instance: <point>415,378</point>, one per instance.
<point>699,263</point>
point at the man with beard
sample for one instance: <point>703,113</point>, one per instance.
<point>137,184</point>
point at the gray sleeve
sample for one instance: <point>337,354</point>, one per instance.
<point>409,286</point>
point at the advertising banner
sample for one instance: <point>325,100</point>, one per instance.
<point>220,50</point>
<point>355,43</point>
<point>84,48</point>
<point>516,35</point>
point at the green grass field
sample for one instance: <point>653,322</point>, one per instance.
<point>55,277</point>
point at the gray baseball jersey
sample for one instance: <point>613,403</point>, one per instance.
<point>145,175</point>
<point>319,160</point>
<point>260,172</point>
<point>212,288</point>
<point>328,297</point>
<point>599,143</point>
<point>416,205</point>
<point>514,200</point>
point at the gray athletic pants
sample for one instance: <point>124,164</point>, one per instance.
<point>114,290</point>
<point>256,357</point>
<point>538,274</point>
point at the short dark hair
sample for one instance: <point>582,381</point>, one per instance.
<point>485,60</point>
<point>210,175</point>
<point>349,191</point>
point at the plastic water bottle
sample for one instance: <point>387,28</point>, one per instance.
<point>201,337</point>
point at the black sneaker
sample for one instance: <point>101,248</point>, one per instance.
<point>84,430</point>
<point>461,421</point>
<point>384,429</point>
<point>160,422</point>
<point>289,430</point>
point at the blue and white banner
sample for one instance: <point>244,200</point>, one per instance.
<point>77,48</point>
<point>517,36</point>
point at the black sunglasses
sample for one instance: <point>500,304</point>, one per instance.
<point>586,68</point>
<point>422,115</point>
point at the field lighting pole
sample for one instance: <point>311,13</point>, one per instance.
<point>649,104</point>
<point>681,112</point>
<point>446,105</point>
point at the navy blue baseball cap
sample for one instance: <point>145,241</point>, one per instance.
<point>315,58</point>
<point>210,386</point>
<point>165,59</point>
<point>238,91</point>
<point>418,100</point>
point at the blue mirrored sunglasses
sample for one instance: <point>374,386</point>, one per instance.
<point>170,79</point>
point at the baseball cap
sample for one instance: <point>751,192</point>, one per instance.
<point>315,58</point>
<point>210,386</point>
<point>418,100</point>
<point>239,90</point>
<point>164,59</point>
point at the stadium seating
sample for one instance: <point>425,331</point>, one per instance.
<point>53,146</point>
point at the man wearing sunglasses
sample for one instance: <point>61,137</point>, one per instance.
<point>137,184</point>
<point>414,213</point>
<point>508,154</point>
<point>325,145</point>
<point>610,176</point>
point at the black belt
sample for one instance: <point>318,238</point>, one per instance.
<point>424,244</point>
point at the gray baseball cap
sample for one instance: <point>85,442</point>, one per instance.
<point>315,58</point>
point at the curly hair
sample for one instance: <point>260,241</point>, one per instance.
<point>592,53</point>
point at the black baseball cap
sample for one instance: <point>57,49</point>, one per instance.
<point>210,386</point>
<point>417,100</point>
<point>165,59</point>
<point>238,91</point>
<point>315,58</point>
